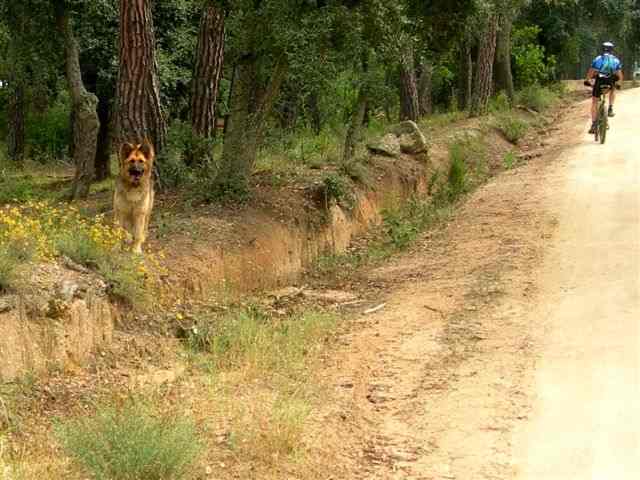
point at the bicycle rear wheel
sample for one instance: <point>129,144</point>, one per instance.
<point>603,122</point>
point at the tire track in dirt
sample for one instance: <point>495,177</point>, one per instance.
<point>432,386</point>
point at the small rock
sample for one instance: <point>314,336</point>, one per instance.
<point>71,265</point>
<point>287,292</point>
<point>6,305</point>
<point>389,146</point>
<point>411,139</point>
<point>68,290</point>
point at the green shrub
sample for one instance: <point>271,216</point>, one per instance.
<point>536,98</point>
<point>467,164</point>
<point>457,179</point>
<point>511,126</point>
<point>532,66</point>
<point>131,443</point>
<point>337,188</point>
<point>80,247</point>
<point>127,279</point>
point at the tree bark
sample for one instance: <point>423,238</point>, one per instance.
<point>314,110</point>
<point>483,80</point>
<point>465,77</point>
<point>502,66</point>
<point>103,150</point>
<point>424,89</point>
<point>85,119</point>
<point>251,102</point>
<point>355,126</point>
<point>139,113</point>
<point>409,103</point>
<point>207,71</point>
<point>16,137</point>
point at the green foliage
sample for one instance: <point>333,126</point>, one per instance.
<point>510,160</point>
<point>131,443</point>
<point>17,188</point>
<point>48,133</point>
<point>513,127</point>
<point>403,226</point>
<point>536,97</point>
<point>251,339</point>
<point>467,164</point>
<point>500,103</point>
<point>12,257</point>
<point>457,179</point>
<point>126,280</point>
<point>532,66</point>
<point>399,230</point>
<point>172,165</point>
<point>338,189</point>
<point>81,247</point>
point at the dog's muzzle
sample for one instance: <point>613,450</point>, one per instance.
<point>136,172</point>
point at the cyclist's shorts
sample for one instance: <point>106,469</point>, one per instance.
<point>602,81</point>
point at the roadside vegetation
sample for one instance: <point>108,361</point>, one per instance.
<point>131,442</point>
<point>39,231</point>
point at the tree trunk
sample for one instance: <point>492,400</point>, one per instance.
<point>465,77</point>
<point>484,69</point>
<point>15,141</point>
<point>314,110</point>
<point>138,109</point>
<point>424,89</point>
<point>251,102</point>
<point>207,71</point>
<point>86,123</point>
<point>103,150</point>
<point>355,126</point>
<point>409,103</point>
<point>502,66</point>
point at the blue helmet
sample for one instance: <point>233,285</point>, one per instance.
<point>608,47</point>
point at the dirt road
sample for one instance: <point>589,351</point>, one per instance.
<point>509,345</point>
<point>586,418</point>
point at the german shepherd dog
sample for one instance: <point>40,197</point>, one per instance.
<point>134,193</point>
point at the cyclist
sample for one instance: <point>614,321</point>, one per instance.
<point>606,69</point>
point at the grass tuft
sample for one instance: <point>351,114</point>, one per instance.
<point>249,339</point>
<point>511,126</point>
<point>510,160</point>
<point>131,443</point>
<point>270,430</point>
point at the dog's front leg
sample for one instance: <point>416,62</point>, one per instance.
<point>139,234</point>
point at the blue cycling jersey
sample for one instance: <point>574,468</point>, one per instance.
<point>607,64</point>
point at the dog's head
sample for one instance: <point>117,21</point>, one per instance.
<point>136,161</point>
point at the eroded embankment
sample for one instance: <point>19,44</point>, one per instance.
<point>57,322</point>
<point>67,314</point>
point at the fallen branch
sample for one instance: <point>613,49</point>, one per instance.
<point>375,309</point>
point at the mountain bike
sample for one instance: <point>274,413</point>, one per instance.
<point>602,117</point>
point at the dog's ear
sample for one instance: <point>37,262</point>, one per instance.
<point>147,150</point>
<point>125,151</point>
